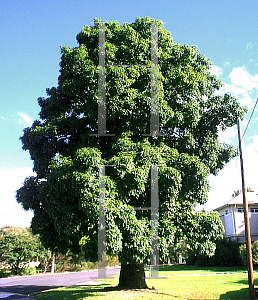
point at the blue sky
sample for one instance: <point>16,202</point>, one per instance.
<point>31,33</point>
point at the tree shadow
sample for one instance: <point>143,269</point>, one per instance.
<point>241,294</point>
<point>74,292</point>
<point>26,289</point>
<point>118,288</point>
<point>81,292</point>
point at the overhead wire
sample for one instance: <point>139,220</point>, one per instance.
<point>250,118</point>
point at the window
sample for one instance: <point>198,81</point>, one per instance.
<point>240,210</point>
<point>254,210</point>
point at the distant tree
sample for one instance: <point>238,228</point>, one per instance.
<point>175,251</point>
<point>67,158</point>
<point>45,257</point>
<point>18,246</point>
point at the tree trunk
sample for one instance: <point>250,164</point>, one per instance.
<point>132,276</point>
<point>53,263</point>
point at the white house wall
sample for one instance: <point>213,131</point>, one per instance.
<point>227,220</point>
<point>240,222</point>
<point>254,226</point>
<point>233,222</point>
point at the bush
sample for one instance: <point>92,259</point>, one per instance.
<point>243,253</point>
<point>28,271</point>
<point>70,262</point>
<point>197,259</point>
<point>227,254</point>
<point>5,273</point>
<point>18,246</point>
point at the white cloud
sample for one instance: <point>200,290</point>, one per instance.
<point>224,184</point>
<point>227,135</point>
<point>252,148</point>
<point>226,63</point>
<point>242,85</point>
<point>215,70</point>
<point>229,179</point>
<point>250,46</point>
<point>240,77</point>
<point>240,93</point>
<point>250,157</point>
<point>25,120</point>
<point>11,213</point>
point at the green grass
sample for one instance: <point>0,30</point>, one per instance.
<point>183,282</point>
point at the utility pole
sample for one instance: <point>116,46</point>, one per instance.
<point>247,225</point>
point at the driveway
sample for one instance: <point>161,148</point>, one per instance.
<point>28,285</point>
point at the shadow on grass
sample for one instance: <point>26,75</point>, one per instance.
<point>71,293</point>
<point>81,292</point>
<point>26,289</point>
<point>117,289</point>
<point>241,294</point>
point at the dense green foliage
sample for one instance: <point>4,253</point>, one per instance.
<point>71,262</point>
<point>67,159</point>
<point>243,253</point>
<point>18,247</point>
<point>228,253</point>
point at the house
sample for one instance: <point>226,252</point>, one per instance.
<point>232,217</point>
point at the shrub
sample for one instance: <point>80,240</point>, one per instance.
<point>255,252</point>
<point>28,271</point>
<point>198,259</point>
<point>227,254</point>
<point>71,262</point>
<point>243,253</point>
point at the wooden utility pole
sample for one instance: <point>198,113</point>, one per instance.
<point>247,225</point>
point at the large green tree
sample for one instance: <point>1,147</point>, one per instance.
<point>68,158</point>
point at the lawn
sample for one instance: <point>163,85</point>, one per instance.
<point>182,282</point>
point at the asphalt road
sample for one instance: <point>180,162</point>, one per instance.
<point>28,285</point>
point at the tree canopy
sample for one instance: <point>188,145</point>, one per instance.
<point>68,157</point>
<point>18,246</point>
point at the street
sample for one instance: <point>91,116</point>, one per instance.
<point>28,285</point>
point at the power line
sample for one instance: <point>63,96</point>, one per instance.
<point>250,118</point>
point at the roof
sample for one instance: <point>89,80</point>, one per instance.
<point>252,198</point>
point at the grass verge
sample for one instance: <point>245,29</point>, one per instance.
<point>183,282</point>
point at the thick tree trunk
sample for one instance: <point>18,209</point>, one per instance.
<point>132,276</point>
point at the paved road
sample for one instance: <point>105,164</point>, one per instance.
<point>28,285</point>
